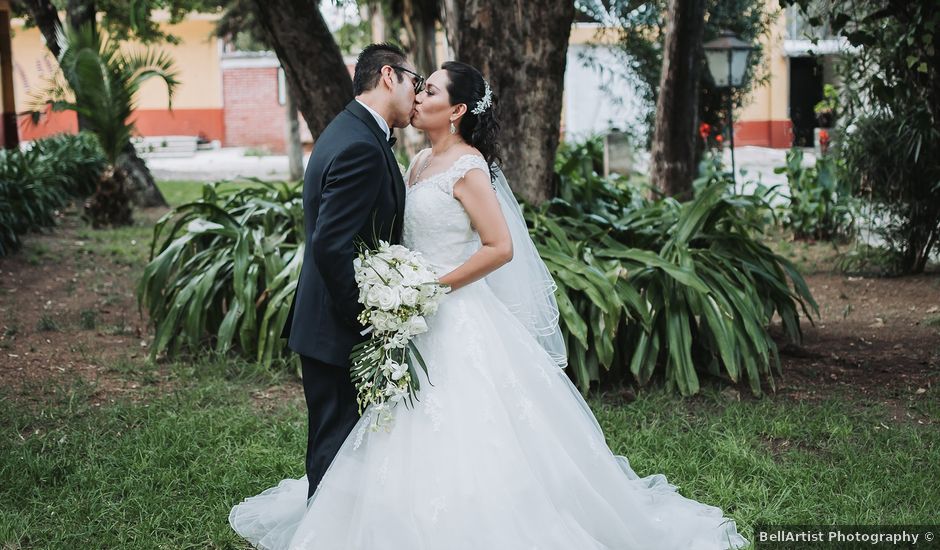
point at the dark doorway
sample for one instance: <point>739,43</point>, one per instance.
<point>806,89</point>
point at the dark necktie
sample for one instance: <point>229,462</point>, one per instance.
<point>392,139</point>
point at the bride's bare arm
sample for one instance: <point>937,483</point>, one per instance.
<point>476,194</point>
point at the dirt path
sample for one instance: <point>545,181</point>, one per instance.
<point>876,340</point>
<point>67,308</point>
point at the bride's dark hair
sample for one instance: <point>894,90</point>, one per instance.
<point>481,131</point>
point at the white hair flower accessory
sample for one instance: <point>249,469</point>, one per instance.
<point>485,102</point>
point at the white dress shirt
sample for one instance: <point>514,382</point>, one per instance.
<point>378,119</point>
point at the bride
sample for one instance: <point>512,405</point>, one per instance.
<point>501,452</point>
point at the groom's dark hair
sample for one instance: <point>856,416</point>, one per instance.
<point>370,63</point>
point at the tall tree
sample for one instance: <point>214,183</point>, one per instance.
<point>295,152</point>
<point>45,16</point>
<point>376,20</point>
<point>521,49</point>
<point>311,59</point>
<point>100,82</point>
<point>141,186</point>
<point>420,19</point>
<point>673,156</point>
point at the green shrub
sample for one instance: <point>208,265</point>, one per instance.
<point>671,285</point>
<point>894,159</point>
<point>578,166</point>
<point>821,203</point>
<point>644,286</point>
<point>37,182</point>
<point>223,270</point>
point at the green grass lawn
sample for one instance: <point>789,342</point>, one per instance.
<point>161,466</point>
<point>163,471</point>
<point>177,192</point>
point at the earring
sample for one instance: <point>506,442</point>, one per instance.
<point>453,129</point>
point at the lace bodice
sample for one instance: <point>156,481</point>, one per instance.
<point>436,224</point>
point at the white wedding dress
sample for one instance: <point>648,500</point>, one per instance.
<point>500,453</point>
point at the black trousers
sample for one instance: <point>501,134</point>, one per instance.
<point>332,411</point>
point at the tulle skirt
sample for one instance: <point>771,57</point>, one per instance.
<point>500,453</point>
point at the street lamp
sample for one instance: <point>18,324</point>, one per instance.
<point>727,62</point>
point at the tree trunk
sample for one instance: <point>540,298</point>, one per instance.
<point>141,187</point>
<point>80,13</point>
<point>376,21</point>
<point>295,153</point>
<point>311,59</point>
<point>673,156</point>
<point>521,49</point>
<point>46,17</point>
<point>450,22</point>
<point>420,19</point>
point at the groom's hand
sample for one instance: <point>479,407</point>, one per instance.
<point>346,200</point>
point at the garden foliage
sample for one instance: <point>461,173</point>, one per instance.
<point>223,270</point>
<point>644,286</point>
<point>37,182</point>
<point>821,203</point>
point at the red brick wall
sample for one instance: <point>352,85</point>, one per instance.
<point>253,116</point>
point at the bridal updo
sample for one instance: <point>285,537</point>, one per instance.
<point>479,130</point>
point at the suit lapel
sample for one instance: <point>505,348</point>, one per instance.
<point>398,184</point>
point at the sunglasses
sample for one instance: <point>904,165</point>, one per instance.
<point>418,79</point>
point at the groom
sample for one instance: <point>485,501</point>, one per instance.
<point>353,190</point>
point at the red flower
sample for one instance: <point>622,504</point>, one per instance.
<point>704,129</point>
<point>823,136</point>
<point>719,138</point>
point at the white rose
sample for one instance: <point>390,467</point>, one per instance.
<point>391,300</point>
<point>383,321</point>
<point>383,297</point>
<point>409,296</point>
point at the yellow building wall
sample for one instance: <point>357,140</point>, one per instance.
<point>764,118</point>
<point>197,104</point>
<point>197,59</point>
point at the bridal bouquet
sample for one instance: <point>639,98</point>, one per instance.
<point>398,290</point>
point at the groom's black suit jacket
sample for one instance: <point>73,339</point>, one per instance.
<point>353,190</point>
